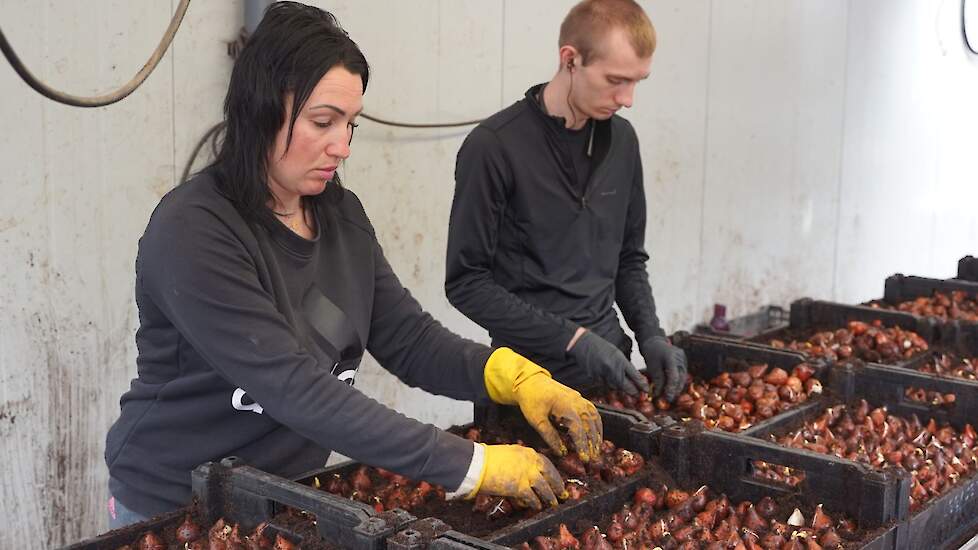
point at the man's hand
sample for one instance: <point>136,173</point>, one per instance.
<point>519,473</point>
<point>665,364</point>
<point>602,360</point>
<point>512,379</point>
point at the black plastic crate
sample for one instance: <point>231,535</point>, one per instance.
<point>747,326</point>
<point>808,315</point>
<point>968,268</point>
<point>685,447</point>
<point>625,429</point>
<point>901,288</point>
<point>457,541</point>
<point>945,519</point>
<point>250,496</point>
<point>247,496</point>
<point>129,535</point>
<point>708,356</point>
<point>725,462</point>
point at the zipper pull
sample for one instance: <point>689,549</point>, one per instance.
<point>584,202</point>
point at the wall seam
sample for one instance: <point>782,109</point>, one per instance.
<point>502,57</point>
<point>706,148</point>
<point>842,158</point>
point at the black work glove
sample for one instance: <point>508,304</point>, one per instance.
<point>665,365</point>
<point>602,360</point>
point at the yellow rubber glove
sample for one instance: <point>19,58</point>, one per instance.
<point>521,474</point>
<point>512,379</point>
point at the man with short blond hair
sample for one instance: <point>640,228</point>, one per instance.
<point>547,228</point>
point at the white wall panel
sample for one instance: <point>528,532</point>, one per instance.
<point>75,195</point>
<point>890,148</point>
<point>772,147</point>
<point>669,115</point>
<point>909,160</point>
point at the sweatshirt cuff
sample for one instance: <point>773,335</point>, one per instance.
<point>471,481</point>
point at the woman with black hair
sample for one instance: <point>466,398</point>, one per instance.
<point>260,283</point>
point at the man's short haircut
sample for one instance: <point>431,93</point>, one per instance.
<point>590,21</point>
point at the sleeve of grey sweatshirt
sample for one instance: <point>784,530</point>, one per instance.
<point>204,279</point>
<point>416,348</point>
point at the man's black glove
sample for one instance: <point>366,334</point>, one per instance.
<point>602,360</point>
<point>665,365</point>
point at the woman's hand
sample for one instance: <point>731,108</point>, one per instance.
<point>512,379</point>
<point>521,474</point>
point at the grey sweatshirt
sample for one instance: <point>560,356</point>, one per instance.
<point>249,341</point>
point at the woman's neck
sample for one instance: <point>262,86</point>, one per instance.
<point>284,203</point>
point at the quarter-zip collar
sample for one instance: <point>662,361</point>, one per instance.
<point>600,141</point>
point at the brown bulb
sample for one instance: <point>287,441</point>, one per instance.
<point>742,378</point>
<point>757,371</point>
<point>820,520</point>
<point>151,541</point>
<point>565,539</point>
<point>706,519</point>
<point>766,507</point>
<point>645,495</point>
<point>675,521</point>
<point>698,499</point>
<point>571,465</point>
<point>772,540</point>
<point>779,528</point>
<point>628,461</point>
<point>676,497</point>
<point>830,539</point>
<point>544,543</point>
<point>590,536</point>
<point>615,531</point>
<point>188,531</point>
<point>501,508</point>
<point>777,377</point>
<point>361,480</point>
<point>752,520</point>
<point>683,534</point>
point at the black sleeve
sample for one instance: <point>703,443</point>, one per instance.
<point>205,281</point>
<point>416,348</point>
<point>633,293</point>
<point>482,177</point>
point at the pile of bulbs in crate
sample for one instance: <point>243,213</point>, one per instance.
<point>730,401</point>
<point>666,518</point>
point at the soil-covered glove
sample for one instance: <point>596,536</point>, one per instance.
<point>512,379</point>
<point>521,474</point>
<point>602,360</point>
<point>666,365</point>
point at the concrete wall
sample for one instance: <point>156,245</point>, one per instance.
<point>790,148</point>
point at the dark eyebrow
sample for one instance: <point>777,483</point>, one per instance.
<point>341,112</point>
<point>628,78</point>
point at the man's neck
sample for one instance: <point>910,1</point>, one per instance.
<point>556,102</point>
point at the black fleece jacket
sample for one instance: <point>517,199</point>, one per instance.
<point>249,341</point>
<point>531,255</point>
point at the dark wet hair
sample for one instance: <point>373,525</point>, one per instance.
<point>289,52</point>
